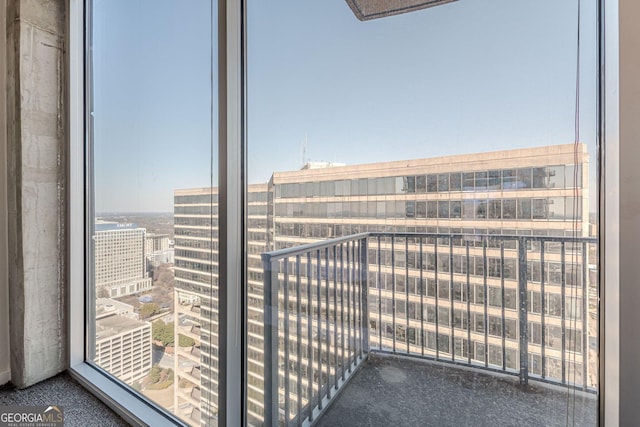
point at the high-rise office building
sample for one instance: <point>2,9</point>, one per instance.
<point>525,192</point>
<point>120,266</point>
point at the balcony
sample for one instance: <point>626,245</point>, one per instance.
<point>386,319</point>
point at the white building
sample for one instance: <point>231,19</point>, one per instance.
<point>123,343</point>
<point>119,251</point>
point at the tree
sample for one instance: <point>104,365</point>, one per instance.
<point>149,309</point>
<point>185,341</point>
<point>157,329</point>
<point>163,333</point>
<point>154,375</point>
<point>168,337</point>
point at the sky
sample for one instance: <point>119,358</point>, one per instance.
<point>470,76</point>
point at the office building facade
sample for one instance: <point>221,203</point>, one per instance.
<point>526,192</point>
<point>120,265</point>
<point>123,343</point>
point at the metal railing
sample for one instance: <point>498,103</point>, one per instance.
<point>463,299</point>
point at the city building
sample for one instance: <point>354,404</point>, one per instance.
<point>486,200</point>
<point>158,249</point>
<point>156,242</point>
<point>123,343</point>
<point>196,287</point>
<point>106,307</point>
<point>120,266</point>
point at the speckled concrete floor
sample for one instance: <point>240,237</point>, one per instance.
<point>81,409</point>
<point>396,391</point>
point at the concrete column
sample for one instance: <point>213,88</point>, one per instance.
<point>5,367</point>
<point>36,188</point>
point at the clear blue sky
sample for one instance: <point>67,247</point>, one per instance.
<point>465,77</point>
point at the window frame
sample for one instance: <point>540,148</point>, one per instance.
<point>133,407</point>
<point>232,62</point>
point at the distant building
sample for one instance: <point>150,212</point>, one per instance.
<point>156,243</point>
<point>106,307</point>
<point>123,343</point>
<point>120,267</point>
<point>161,257</point>
<point>321,165</point>
<point>158,249</point>
<point>540,191</point>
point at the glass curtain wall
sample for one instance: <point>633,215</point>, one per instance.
<point>440,165</point>
<point>153,205</point>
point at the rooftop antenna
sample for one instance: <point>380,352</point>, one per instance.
<point>304,151</point>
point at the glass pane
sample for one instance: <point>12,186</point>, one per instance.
<point>155,201</point>
<point>494,182</point>
<point>432,183</point>
<point>455,182</point>
<point>380,104</point>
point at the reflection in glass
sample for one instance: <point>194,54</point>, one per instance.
<point>154,245</point>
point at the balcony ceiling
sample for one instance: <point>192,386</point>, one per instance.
<point>373,9</point>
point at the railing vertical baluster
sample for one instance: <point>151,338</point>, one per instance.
<point>335,315</point>
<point>437,295</point>
<point>543,307</point>
<point>298,341</point>
<point>319,323</point>
<point>352,302</point>
<point>504,332</point>
<point>422,334</point>
<point>380,292</point>
<point>486,300</point>
<point>393,292</point>
<point>271,409</point>
<point>342,309</point>
<point>286,342</point>
<point>348,307</point>
<point>468,303</point>
<point>309,337</point>
<point>452,310</point>
<point>365,295</point>
<point>328,326</point>
<point>522,287</point>
<point>406,290</point>
<point>585,318</point>
<point>563,282</point>
<point>358,303</point>
<point>354,284</point>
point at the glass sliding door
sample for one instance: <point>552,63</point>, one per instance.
<point>422,184</point>
<point>152,209</point>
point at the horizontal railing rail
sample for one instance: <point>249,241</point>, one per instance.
<point>517,304</point>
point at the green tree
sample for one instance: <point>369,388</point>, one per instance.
<point>185,341</point>
<point>149,309</point>
<point>168,336</point>
<point>157,329</point>
<point>163,333</point>
<point>155,374</point>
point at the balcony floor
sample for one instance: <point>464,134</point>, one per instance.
<point>389,390</point>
